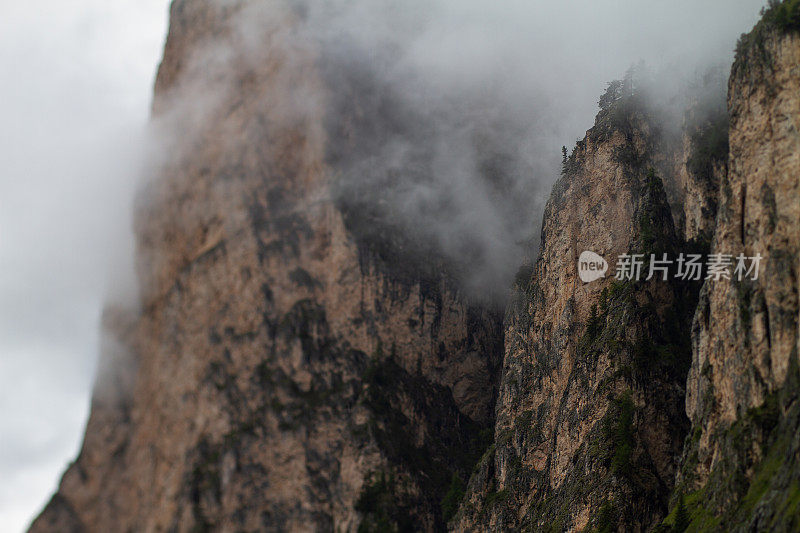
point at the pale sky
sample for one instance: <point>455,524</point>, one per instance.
<point>76,84</point>
<point>77,79</point>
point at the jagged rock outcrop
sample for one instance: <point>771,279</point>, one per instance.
<point>589,419</point>
<point>282,374</point>
<point>742,461</point>
<point>691,152</point>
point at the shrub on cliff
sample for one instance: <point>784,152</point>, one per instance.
<point>453,497</point>
<point>709,145</point>
<point>785,15</point>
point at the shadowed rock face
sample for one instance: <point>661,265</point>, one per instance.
<point>282,373</point>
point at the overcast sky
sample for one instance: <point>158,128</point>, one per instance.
<point>76,87</point>
<point>76,82</point>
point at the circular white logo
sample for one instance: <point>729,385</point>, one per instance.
<point>591,267</point>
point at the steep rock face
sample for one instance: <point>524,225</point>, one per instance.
<point>742,461</point>
<point>589,424</point>
<point>280,375</point>
<point>703,165</point>
<point>692,155</point>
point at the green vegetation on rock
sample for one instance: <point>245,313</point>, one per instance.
<point>379,507</point>
<point>619,431</point>
<point>607,519</point>
<point>751,49</point>
<point>785,15</point>
<point>452,498</point>
<point>441,460</point>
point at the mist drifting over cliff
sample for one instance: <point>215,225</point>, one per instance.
<point>461,108</point>
<point>464,106</point>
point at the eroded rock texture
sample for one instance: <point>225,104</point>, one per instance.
<point>740,470</point>
<point>304,359</point>
<point>589,418</point>
<point>283,373</point>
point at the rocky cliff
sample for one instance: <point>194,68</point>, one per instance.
<point>285,370</point>
<point>740,468</point>
<point>305,359</point>
<point>590,419</point>
<point>579,443</point>
<point>588,426</point>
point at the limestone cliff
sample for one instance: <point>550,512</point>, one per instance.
<point>589,419</point>
<point>283,372</point>
<point>303,359</point>
<point>703,159</point>
<point>740,468</point>
<point>572,453</point>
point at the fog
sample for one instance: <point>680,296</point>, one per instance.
<point>464,105</point>
<point>445,119</point>
<point>488,92</point>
